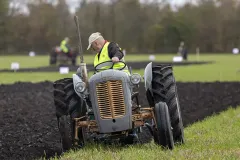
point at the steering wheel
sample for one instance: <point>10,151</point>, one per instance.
<point>108,65</point>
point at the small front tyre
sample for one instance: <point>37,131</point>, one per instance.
<point>162,130</point>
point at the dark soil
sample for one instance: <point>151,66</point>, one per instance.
<point>28,127</point>
<point>133,65</point>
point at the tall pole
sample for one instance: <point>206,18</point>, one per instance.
<point>96,18</point>
<point>113,20</point>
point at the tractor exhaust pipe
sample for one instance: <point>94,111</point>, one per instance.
<point>79,38</point>
<point>82,70</point>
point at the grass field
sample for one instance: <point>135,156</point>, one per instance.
<point>226,68</point>
<point>214,138</point>
<point>39,61</point>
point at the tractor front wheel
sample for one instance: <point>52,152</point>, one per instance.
<point>164,89</point>
<point>162,129</point>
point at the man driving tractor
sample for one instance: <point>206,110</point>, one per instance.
<point>106,51</point>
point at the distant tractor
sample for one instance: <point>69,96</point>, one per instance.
<point>105,107</point>
<point>57,56</point>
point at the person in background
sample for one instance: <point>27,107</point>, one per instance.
<point>64,46</point>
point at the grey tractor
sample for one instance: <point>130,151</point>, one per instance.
<point>105,107</point>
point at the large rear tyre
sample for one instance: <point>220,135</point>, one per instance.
<point>59,94</point>
<point>68,106</point>
<point>162,129</point>
<point>165,90</point>
<point>65,129</point>
<point>76,105</point>
<point>66,126</point>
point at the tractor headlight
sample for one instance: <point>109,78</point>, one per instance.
<point>135,78</point>
<point>80,87</point>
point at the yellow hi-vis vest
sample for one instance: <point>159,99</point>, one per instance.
<point>63,46</point>
<point>104,57</point>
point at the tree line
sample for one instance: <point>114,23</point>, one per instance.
<point>143,27</point>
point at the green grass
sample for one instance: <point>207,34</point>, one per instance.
<point>39,61</point>
<point>226,68</point>
<point>216,137</point>
<point>31,62</point>
<point>10,78</point>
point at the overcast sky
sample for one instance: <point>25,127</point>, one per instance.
<point>74,3</point>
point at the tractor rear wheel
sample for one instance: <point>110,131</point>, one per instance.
<point>162,129</point>
<point>165,90</point>
<point>65,128</point>
<point>59,97</point>
<point>68,106</point>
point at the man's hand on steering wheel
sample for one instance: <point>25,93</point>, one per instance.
<point>109,64</point>
<point>115,59</point>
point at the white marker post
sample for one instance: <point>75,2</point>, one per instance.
<point>177,59</point>
<point>235,51</point>
<point>32,54</point>
<point>15,66</point>
<point>64,70</point>
<point>152,57</point>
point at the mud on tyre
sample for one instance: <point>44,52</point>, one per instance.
<point>165,90</point>
<point>68,106</point>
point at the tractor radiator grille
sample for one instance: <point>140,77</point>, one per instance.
<point>111,99</point>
